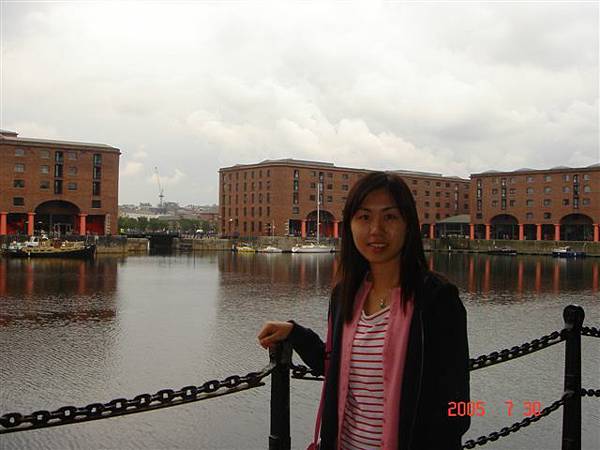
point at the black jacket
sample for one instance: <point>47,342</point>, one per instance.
<point>436,370</point>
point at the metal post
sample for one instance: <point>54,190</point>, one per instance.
<point>279,438</point>
<point>571,438</point>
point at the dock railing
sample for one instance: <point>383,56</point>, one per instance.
<point>281,369</point>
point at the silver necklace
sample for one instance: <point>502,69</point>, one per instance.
<point>382,301</point>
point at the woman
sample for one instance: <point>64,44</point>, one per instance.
<point>397,351</point>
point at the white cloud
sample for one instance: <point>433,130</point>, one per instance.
<point>455,88</point>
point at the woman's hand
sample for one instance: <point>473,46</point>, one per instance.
<point>273,332</point>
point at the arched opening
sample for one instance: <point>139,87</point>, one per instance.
<point>57,217</point>
<point>576,227</point>
<point>504,226</point>
<point>326,221</point>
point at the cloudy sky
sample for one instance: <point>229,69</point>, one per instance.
<point>190,87</point>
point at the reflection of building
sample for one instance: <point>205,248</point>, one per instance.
<point>554,204</point>
<point>57,186</point>
<point>254,198</point>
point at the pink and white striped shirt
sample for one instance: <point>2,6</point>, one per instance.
<point>362,426</point>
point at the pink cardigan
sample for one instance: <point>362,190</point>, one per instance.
<point>394,358</point>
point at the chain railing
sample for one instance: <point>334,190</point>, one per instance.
<point>281,365</point>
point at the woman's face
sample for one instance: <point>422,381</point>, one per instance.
<point>378,229</point>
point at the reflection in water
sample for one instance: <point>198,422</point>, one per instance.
<point>74,332</point>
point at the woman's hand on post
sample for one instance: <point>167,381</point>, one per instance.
<point>273,332</point>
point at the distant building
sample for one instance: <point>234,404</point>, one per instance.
<point>561,203</point>
<point>280,197</point>
<point>57,186</point>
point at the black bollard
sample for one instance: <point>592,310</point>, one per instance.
<point>279,437</point>
<point>571,439</point>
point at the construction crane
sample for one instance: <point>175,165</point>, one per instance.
<point>161,194</point>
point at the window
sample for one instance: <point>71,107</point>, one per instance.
<point>19,167</point>
<point>530,179</point>
<point>587,189</point>
<point>547,189</point>
<point>437,215</point>
<point>566,189</point>
<point>529,203</point>
<point>44,154</point>
<point>437,193</point>
<point>268,197</point>
<point>513,180</point>
<point>426,193</point>
<point>576,203</point>
<point>547,178</point>
<point>72,186</point>
<point>259,186</point>
<point>586,176</point>
<point>98,204</point>
<point>479,205</point>
<point>260,174</point>
<point>438,184</point>
<point>566,177</point>
<point>447,205</point>
<point>427,215</point>
<point>295,198</point>
<point>530,190</point>
<point>330,186</point>
<point>512,203</point>
<point>97,174</point>
<point>72,156</point>
<point>58,186</point>
<point>547,202</point>
<point>427,182</point>
<point>58,171</point>
<point>414,193</point>
<point>296,185</point>
<point>494,203</point>
<point>18,201</point>
<point>466,206</point>
<point>329,198</point>
<point>312,197</point>
<point>58,157</point>
<point>19,183</point>
<point>260,211</point>
<point>296,173</point>
<point>479,216</point>
<point>44,184</point>
<point>19,152</point>
<point>344,187</point>
<point>72,171</point>
<point>512,191</point>
<point>427,204</point>
<point>252,211</point>
<point>295,210</point>
<point>97,159</point>
<point>585,201</point>
<point>268,172</point>
<point>437,204</point>
<point>269,210</point>
<point>529,215</point>
<point>547,215</point>
<point>260,197</point>
<point>494,191</point>
<point>565,202</point>
<point>96,188</point>
<point>313,185</point>
<point>415,182</point>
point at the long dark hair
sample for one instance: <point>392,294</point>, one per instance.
<point>353,266</point>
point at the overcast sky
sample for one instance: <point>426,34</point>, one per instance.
<point>454,88</point>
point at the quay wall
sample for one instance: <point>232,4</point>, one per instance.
<point>522,247</point>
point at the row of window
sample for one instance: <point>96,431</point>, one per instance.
<point>252,173</point>
<point>532,178</point>
<point>20,201</point>
<point>58,184</point>
<point>439,194</point>
<point>546,190</point>
<point>260,198</point>
<point>58,170</point>
<point>259,210</point>
<point>59,155</point>
<point>322,175</point>
<point>439,184</point>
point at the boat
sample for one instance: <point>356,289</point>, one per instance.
<point>502,251</point>
<point>567,252</point>
<point>269,249</point>
<point>245,248</point>
<point>312,248</point>
<point>42,247</point>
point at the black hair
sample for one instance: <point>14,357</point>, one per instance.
<point>353,266</point>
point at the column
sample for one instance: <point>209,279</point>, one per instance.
<point>3,227</point>
<point>521,231</point>
<point>82,218</point>
<point>30,223</point>
<point>303,229</point>
<point>472,231</point>
<point>336,229</point>
<point>488,231</point>
<point>557,232</point>
<point>538,232</point>
<point>596,232</point>
<point>431,231</point>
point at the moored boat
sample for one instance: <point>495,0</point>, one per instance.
<point>312,248</point>
<point>567,252</point>
<point>46,248</point>
<point>269,249</point>
<point>502,251</point>
<point>245,248</point>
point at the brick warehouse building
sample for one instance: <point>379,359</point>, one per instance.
<point>57,186</point>
<point>561,203</point>
<point>279,197</point>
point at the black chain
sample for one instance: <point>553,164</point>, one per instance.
<point>590,331</point>
<point>304,373</point>
<point>590,392</point>
<point>164,398</point>
<point>517,351</point>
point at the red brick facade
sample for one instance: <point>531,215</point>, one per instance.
<point>553,204</point>
<point>56,186</point>
<point>254,198</point>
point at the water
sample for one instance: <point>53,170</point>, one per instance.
<point>73,333</point>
